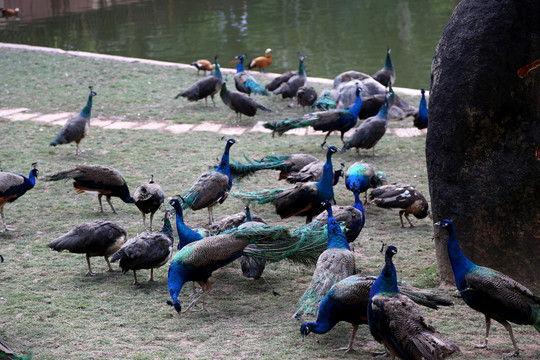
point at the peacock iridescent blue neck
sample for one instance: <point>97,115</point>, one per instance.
<point>355,109</point>
<point>32,177</point>
<point>387,281</point>
<point>85,112</point>
<point>358,204</point>
<point>217,70</point>
<point>388,62</point>
<point>325,185</point>
<point>336,238</point>
<point>167,228</point>
<point>423,109</point>
<point>391,95</point>
<point>224,163</point>
<point>460,264</point>
<point>247,211</point>
<point>301,69</point>
<point>383,112</point>
<point>240,66</point>
<point>185,234</point>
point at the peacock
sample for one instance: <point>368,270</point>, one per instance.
<point>347,301</point>
<point>7,354</point>
<point>333,265</point>
<point>306,96</point>
<point>491,292</point>
<point>198,260</point>
<point>105,180</point>
<point>421,118</point>
<point>288,89</point>
<point>325,102</point>
<point>212,187</point>
<point>148,199</point>
<point>203,65</point>
<point>12,187</point>
<point>77,127</point>
<point>262,62</point>
<point>361,176</point>
<point>278,80</point>
<point>202,89</point>
<point>303,199</point>
<point>95,238</point>
<point>406,198</point>
<point>327,121</point>
<point>229,222</point>
<point>240,103</point>
<point>370,131</point>
<point>396,321</point>
<point>387,73</point>
<point>313,172</point>
<point>246,83</point>
<point>286,164</point>
<point>148,250</point>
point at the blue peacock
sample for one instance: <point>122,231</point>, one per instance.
<point>246,83</point>
<point>492,293</point>
<point>421,117</point>
<point>361,176</point>
<point>12,187</point>
<point>396,321</point>
<point>327,121</point>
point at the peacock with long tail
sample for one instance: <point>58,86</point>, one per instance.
<point>12,187</point>
<point>361,176</point>
<point>148,250</point>
<point>406,198</point>
<point>326,121</point>
<point>148,199</point>
<point>491,292</point>
<point>198,260</point>
<point>396,321</point>
<point>246,83</point>
<point>212,187</point>
<point>303,199</point>
<point>95,238</point>
<point>287,165</point>
<point>421,117</point>
<point>370,131</point>
<point>288,89</point>
<point>202,89</point>
<point>348,299</point>
<point>387,73</point>
<point>240,103</point>
<point>333,265</point>
<point>105,180</point>
<point>77,127</point>
<point>186,235</point>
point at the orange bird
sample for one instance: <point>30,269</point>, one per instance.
<point>204,65</point>
<point>10,12</point>
<point>262,61</point>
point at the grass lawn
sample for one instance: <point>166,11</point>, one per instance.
<point>47,305</point>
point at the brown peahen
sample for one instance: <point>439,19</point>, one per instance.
<point>277,81</point>
<point>148,199</point>
<point>12,187</point>
<point>347,301</point>
<point>240,103</point>
<point>288,89</point>
<point>303,199</point>
<point>333,265</point>
<point>212,187</point>
<point>104,180</point>
<point>95,238</point>
<point>306,96</point>
<point>406,198</point>
<point>491,292</point>
<point>286,164</point>
<point>202,89</point>
<point>148,250</point>
<point>77,127</point>
<point>387,73</point>
<point>396,321</point>
<point>313,172</point>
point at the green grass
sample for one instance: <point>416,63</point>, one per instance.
<point>50,308</point>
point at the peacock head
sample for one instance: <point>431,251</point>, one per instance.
<point>231,142</point>
<point>422,91</point>
<point>332,150</point>
<point>35,170</point>
<point>305,329</point>
<point>241,57</point>
<point>358,89</point>
<point>445,224</point>
<point>92,93</point>
<point>176,306</point>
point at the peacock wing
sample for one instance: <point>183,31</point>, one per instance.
<point>208,190</point>
<point>209,250</point>
<point>296,200</point>
<point>240,80</point>
<point>353,290</point>
<point>100,174</point>
<point>8,180</point>
<point>73,130</point>
<point>393,196</point>
<point>311,172</point>
<point>242,103</point>
<point>276,82</point>
<point>332,120</point>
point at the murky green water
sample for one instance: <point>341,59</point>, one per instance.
<point>335,36</point>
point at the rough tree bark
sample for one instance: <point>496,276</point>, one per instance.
<point>483,140</point>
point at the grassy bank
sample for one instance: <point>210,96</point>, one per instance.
<point>49,307</point>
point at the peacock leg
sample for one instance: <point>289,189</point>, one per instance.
<point>508,328</point>
<point>6,228</point>
<point>144,220</point>
<point>100,204</point>
<point>89,273</point>
<point>135,282</point>
<point>485,344</point>
<point>110,203</point>
<point>401,218</point>
<point>409,220</point>
<point>77,150</point>
<point>190,307</point>
<point>210,215</point>
<point>151,275</point>
<point>350,346</point>
<point>109,264</point>
<point>213,102</point>
<point>151,220</point>
<point>194,290</point>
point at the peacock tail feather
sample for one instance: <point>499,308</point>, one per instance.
<point>240,170</point>
<point>282,127</point>
<point>255,87</point>
<point>189,198</point>
<point>324,103</point>
<point>262,197</point>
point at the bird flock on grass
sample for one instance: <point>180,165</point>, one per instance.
<point>359,103</point>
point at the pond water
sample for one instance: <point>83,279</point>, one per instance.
<point>335,36</point>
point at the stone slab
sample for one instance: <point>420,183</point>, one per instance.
<point>238,130</point>
<point>207,126</point>
<point>179,128</point>
<point>100,122</point>
<point>22,116</point>
<point>122,125</point>
<point>49,118</point>
<point>6,112</point>
<point>260,128</point>
<point>153,125</point>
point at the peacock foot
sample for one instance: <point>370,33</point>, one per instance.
<point>511,354</point>
<point>7,228</point>
<point>347,349</point>
<point>481,346</point>
<point>379,354</point>
<point>90,273</point>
